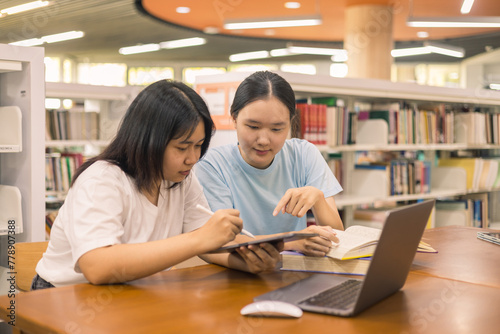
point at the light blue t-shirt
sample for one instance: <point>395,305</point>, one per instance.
<point>229,182</point>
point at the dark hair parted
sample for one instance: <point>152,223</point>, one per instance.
<point>262,85</point>
<point>163,111</point>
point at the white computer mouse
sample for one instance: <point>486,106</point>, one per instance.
<point>271,308</point>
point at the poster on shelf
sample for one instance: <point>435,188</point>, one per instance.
<point>218,97</point>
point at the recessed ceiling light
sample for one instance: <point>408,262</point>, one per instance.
<point>466,6</point>
<point>422,34</point>
<point>292,5</point>
<point>183,10</point>
<point>211,30</point>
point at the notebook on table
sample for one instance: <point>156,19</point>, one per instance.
<point>389,268</point>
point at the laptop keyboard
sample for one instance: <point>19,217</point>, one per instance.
<point>341,296</point>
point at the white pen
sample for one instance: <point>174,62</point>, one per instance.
<point>202,208</point>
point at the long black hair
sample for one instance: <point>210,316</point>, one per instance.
<point>163,111</point>
<point>260,86</point>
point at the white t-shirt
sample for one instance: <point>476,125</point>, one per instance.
<point>230,182</point>
<point>105,208</point>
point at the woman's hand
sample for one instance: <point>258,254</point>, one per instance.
<point>221,228</point>
<point>261,258</point>
<point>315,246</point>
<point>297,201</point>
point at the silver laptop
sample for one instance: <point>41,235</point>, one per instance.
<point>389,268</point>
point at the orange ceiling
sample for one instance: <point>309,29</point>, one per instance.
<point>212,13</point>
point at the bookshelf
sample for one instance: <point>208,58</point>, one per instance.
<point>88,127</point>
<point>22,131</point>
<point>445,183</point>
<point>22,127</point>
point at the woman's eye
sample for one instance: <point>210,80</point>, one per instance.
<point>276,130</point>
<point>182,148</point>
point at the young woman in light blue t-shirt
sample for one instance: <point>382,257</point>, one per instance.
<point>272,181</point>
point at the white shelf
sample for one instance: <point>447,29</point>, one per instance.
<point>22,78</point>
<point>72,143</point>
<point>371,89</point>
<point>92,92</point>
<point>10,66</point>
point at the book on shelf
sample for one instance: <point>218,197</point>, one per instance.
<point>477,127</point>
<point>62,124</point>
<point>295,261</point>
<point>469,210</point>
<point>472,166</point>
<point>60,168</point>
<point>360,241</point>
<point>404,176</point>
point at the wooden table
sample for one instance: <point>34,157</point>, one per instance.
<point>436,298</point>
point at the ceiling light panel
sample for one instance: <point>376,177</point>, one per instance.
<point>455,22</point>
<point>24,7</point>
<point>128,50</point>
<point>182,43</point>
<point>281,22</point>
<point>249,55</point>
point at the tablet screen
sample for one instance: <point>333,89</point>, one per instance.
<point>290,236</point>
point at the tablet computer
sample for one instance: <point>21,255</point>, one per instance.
<point>493,237</point>
<point>290,236</point>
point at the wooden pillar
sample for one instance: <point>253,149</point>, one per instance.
<point>368,41</point>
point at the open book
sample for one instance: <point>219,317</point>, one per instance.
<point>360,241</point>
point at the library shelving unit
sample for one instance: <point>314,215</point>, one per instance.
<point>22,126</point>
<point>22,129</point>
<point>110,103</point>
<point>445,182</point>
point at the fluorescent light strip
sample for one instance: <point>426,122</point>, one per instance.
<point>272,23</point>
<point>316,51</point>
<point>249,55</point>
<point>64,36</point>
<point>445,49</point>
<point>466,6</point>
<point>495,86</point>
<point>281,53</point>
<point>455,22</point>
<point>139,49</point>
<point>182,43</point>
<point>28,42</point>
<point>429,47</point>
<point>446,52</point>
<point>410,52</point>
<point>24,7</point>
